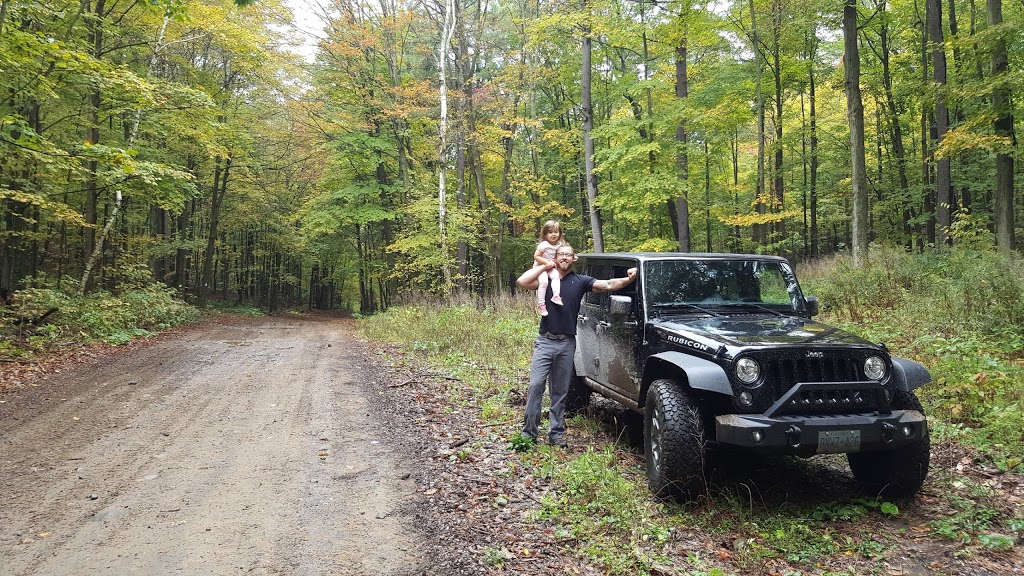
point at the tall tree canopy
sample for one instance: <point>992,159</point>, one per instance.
<point>183,142</point>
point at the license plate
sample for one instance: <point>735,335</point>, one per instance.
<point>837,441</point>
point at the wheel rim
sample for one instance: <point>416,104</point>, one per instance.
<point>656,438</point>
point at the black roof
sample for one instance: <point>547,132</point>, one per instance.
<point>655,256</point>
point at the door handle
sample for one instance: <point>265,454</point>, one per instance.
<point>604,324</point>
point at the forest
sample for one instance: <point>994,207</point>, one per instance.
<point>187,144</point>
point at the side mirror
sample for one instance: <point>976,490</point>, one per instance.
<point>813,307</point>
<point>620,306</point>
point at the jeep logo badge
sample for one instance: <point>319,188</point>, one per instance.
<point>815,354</point>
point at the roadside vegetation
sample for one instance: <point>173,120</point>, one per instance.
<point>37,319</point>
<point>959,313</point>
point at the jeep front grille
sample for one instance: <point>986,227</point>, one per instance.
<point>788,371</point>
<point>836,385</point>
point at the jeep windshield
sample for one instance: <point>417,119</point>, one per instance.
<point>715,286</point>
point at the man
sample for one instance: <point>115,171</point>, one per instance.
<point>555,346</point>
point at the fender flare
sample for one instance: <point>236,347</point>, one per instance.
<point>701,374</point>
<point>908,375</point>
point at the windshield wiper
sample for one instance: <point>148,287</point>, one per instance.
<point>749,305</point>
<point>685,305</point>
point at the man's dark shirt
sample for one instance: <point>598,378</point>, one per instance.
<point>562,319</point>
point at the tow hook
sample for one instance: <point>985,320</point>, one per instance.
<point>793,435</point>
<point>887,432</point>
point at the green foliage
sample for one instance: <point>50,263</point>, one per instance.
<point>487,345</point>
<point>495,556</point>
<point>849,511</point>
<point>521,443</point>
<point>998,542</point>
<point>600,506</point>
<point>961,313</point>
<point>97,317</point>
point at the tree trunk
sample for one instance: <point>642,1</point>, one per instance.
<point>220,187</point>
<point>3,16</point>
<point>926,168</point>
<point>813,120</point>
<point>943,186</point>
<point>442,129</point>
<point>95,26</point>
<point>803,162</point>
<point>855,117</point>
<point>755,43</point>
<point>465,95</point>
<point>779,183</point>
<point>1003,199</point>
<point>895,127</point>
<point>707,195</point>
<point>588,141</point>
<point>682,208</point>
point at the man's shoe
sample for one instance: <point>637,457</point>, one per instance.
<point>560,443</point>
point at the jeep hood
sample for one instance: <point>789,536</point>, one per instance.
<point>758,330</point>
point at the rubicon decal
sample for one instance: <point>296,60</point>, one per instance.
<point>689,343</point>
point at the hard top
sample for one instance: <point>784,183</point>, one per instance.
<point>667,256</point>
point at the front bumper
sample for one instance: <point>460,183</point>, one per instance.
<point>806,435</point>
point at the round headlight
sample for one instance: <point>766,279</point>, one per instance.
<point>747,370</point>
<point>874,368</point>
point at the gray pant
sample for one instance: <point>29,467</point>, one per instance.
<point>552,361</point>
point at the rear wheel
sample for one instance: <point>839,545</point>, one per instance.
<point>898,472</point>
<point>674,442</point>
<point>578,398</point>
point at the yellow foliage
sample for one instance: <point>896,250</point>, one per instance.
<point>753,218</point>
<point>961,139</point>
<point>59,210</point>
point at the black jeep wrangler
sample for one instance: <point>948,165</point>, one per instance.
<point>719,350</point>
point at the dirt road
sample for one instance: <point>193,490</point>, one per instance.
<point>245,448</point>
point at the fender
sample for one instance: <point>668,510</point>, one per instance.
<point>701,374</point>
<point>908,374</point>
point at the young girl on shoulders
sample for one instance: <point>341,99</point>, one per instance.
<point>550,239</point>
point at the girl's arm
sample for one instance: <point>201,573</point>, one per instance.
<point>539,258</point>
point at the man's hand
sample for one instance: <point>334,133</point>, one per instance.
<point>530,279</point>
<point>615,283</point>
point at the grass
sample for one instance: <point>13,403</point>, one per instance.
<point>918,305</point>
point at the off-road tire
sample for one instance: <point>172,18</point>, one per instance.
<point>578,397</point>
<point>674,442</point>
<point>895,472</point>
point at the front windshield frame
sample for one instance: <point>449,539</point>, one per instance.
<point>689,286</point>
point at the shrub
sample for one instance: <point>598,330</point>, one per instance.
<point>99,316</point>
<point>958,311</point>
